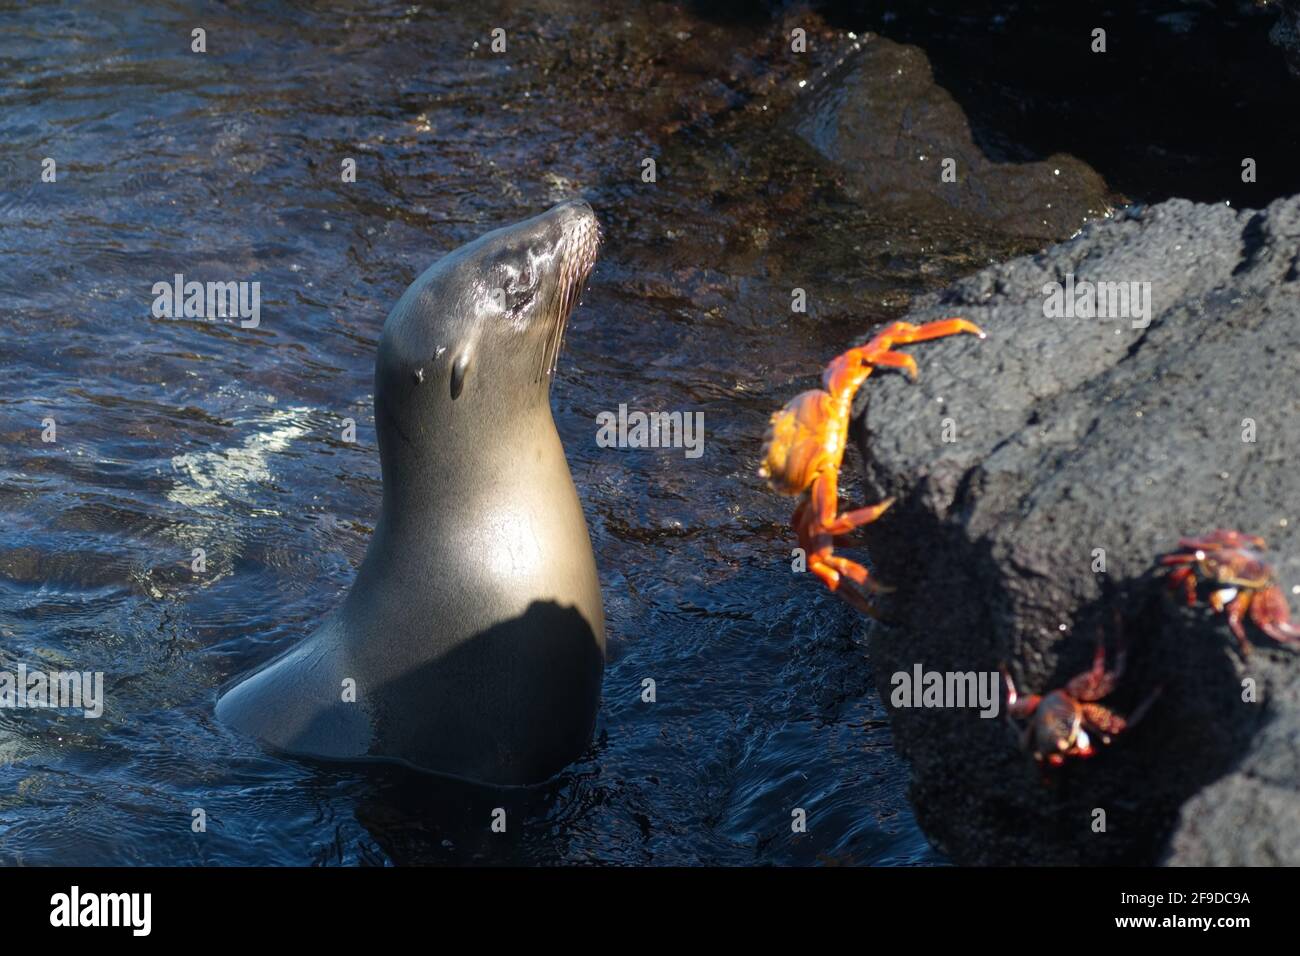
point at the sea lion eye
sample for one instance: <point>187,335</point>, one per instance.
<point>526,277</point>
<point>518,287</point>
<point>517,282</point>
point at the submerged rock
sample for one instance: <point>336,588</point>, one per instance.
<point>901,139</point>
<point>1021,460</point>
<point>1286,33</point>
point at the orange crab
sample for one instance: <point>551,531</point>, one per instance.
<point>1058,723</point>
<point>1241,579</point>
<point>805,448</point>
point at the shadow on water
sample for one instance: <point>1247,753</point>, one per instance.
<point>421,819</point>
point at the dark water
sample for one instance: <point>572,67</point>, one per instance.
<point>176,434</point>
<point>1182,94</point>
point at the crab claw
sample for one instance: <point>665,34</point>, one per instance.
<point>1271,615</point>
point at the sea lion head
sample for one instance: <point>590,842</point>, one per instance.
<point>480,330</point>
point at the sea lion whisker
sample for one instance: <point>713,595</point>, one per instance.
<point>565,285</point>
<point>552,309</point>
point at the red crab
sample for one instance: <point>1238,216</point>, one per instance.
<point>1230,561</point>
<point>805,448</point>
<point>1058,723</point>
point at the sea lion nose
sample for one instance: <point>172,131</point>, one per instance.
<point>577,207</point>
<point>565,222</point>
<point>578,224</point>
<point>573,215</point>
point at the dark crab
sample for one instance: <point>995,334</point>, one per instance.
<point>1242,582</point>
<point>1063,723</point>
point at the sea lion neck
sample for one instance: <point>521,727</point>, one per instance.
<point>480,441</point>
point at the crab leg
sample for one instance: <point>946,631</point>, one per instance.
<point>1271,615</point>
<point>846,373</point>
<point>825,500</point>
<point>816,524</point>
<point>1108,723</point>
<point>1096,683</point>
<point>1185,576</point>
<point>1237,605</point>
<point>1018,706</point>
<point>856,518</point>
<point>845,578</point>
<point>1104,720</point>
<point>905,333</point>
<point>892,360</point>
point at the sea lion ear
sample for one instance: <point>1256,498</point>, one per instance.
<point>458,369</point>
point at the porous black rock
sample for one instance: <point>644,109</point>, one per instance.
<point>1072,435</point>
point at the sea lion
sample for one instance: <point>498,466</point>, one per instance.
<point>472,643</point>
